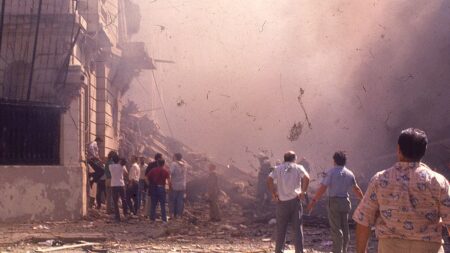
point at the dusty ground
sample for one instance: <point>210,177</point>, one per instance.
<point>193,233</point>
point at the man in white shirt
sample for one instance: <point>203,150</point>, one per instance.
<point>93,159</point>
<point>292,183</point>
<point>118,186</point>
<point>133,186</point>
<point>177,186</point>
<point>142,183</point>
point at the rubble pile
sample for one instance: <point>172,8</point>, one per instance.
<point>140,136</point>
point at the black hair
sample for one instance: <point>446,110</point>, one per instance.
<point>160,162</point>
<point>115,157</point>
<point>289,156</point>
<point>178,156</point>
<point>413,144</point>
<point>158,156</point>
<point>340,158</point>
<point>123,161</point>
<point>111,153</point>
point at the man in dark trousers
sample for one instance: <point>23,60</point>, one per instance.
<point>292,183</point>
<point>338,181</point>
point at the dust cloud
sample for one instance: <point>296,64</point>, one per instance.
<point>231,76</point>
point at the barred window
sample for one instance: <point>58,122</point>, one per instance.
<point>29,134</point>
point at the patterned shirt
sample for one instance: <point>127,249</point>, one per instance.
<point>407,201</point>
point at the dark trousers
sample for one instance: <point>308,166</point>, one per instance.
<point>98,168</point>
<point>338,210</point>
<point>119,192</point>
<point>101,193</point>
<point>158,195</point>
<point>132,197</point>
<point>142,193</point>
<point>289,211</point>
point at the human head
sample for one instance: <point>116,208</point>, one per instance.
<point>111,153</point>
<point>290,156</point>
<point>142,160</point>
<point>340,158</point>
<point>134,159</point>
<point>98,139</point>
<point>158,156</point>
<point>115,157</point>
<point>177,157</point>
<point>412,144</point>
<point>160,162</point>
<point>123,161</point>
<point>212,167</point>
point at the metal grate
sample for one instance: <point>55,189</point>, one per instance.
<point>29,135</point>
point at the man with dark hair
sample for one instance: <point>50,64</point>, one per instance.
<point>118,170</point>
<point>338,181</point>
<point>408,203</point>
<point>177,187</point>
<point>154,164</point>
<point>157,178</point>
<point>292,183</point>
<point>93,159</point>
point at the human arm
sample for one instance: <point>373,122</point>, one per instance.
<point>358,192</point>
<point>271,186</point>
<point>362,237</point>
<point>316,198</point>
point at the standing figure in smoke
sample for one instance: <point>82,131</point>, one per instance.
<point>133,186</point>
<point>158,178</point>
<point>118,171</point>
<point>213,194</point>
<point>292,183</point>
<point>408,203</point>
<point>338,182</point>
<point>178,186</point>
<point>263,193</point>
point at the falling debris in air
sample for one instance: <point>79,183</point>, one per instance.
<point>299,98</point>
<point>296,131</point>
<point>180,102</point>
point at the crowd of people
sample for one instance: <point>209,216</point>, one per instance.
<point>142,188</point>
<point>407,204</point>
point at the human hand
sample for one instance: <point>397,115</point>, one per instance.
<point>275,197</point>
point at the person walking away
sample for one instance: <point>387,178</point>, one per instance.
<point>408,203</point>
<point>178,173</point>
<point>151,165</point>
<point>133,186</point>
<point>292,183</point>
<point>118,186</point>
<point>158,177</point>
<point>213,194</point>
<point>142,183</point>
<point>338,182</point>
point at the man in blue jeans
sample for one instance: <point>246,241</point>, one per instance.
<point>157,178</point>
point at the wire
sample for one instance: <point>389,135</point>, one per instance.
<point>162,103</point>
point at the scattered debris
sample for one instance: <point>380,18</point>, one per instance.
<point>299,98</point>
<point>180,102</point>
<point>262,27</point>
<point>296,131</point>
<point>81,245</point>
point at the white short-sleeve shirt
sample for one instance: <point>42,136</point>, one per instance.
<point>289,180</point>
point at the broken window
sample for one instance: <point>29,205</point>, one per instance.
<point>29,134</point>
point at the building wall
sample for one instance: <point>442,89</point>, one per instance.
<point>31,193</point>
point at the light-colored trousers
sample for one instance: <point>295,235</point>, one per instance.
<point>392,245</point>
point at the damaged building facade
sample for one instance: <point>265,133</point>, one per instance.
<point>64,66</point>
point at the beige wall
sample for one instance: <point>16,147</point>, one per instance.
<point>30,193</point>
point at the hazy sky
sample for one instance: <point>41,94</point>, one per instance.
<point>364,66</point>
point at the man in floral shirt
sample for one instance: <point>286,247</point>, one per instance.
<point>408,203</point>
